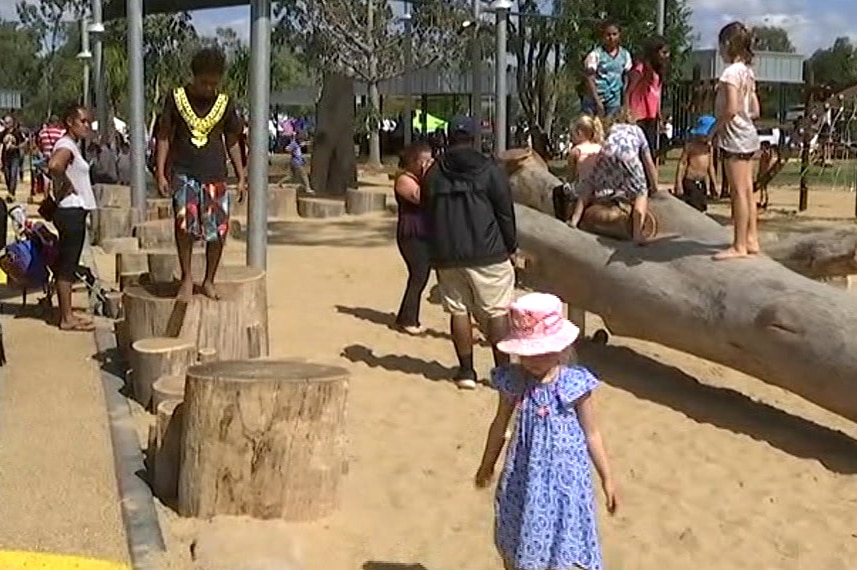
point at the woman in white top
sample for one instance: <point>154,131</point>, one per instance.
<point>736,106</point>
<point>73,194</point>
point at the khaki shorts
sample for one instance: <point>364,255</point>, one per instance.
<point>484,292</point>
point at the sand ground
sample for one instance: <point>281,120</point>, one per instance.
<point>716,469</point>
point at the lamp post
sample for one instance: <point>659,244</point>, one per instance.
<point>501,14</point>
<point>96,30</point>
<point>137,118</point>
<point>476,61</point>
<point>85,56</point>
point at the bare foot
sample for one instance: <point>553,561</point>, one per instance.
<point>730,253</point>
<point>185,291</point>
<point>77,325</point>
<point>210,291</point>
<point>753,249</point>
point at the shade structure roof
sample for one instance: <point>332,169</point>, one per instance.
<point>115,9</point>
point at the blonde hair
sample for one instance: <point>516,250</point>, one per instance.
<point>622,117</point>
<point>591,126</point>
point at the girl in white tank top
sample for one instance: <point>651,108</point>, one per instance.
<point>587,134</point>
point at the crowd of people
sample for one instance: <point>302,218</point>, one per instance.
<point>456,216</point>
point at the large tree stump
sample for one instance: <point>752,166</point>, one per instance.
<point>264,438</point>
<point>112,195</point>
<point>168,387</point>
<point>753,314</point>
<point>159,209</point>
<point>334,162</point>
<point>228,325</point>
<point>131,262</point>
<point>152,358</point>
<point>364,201</point>
<point>320,208</point>
<point>282,202</point>
<point>164,265</point>
<point>156,234</point>
<point>120,245</point>
<point>111,223</point>
<point>168,449</point>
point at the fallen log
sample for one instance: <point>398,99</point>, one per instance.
<point>753,314</point>
<point>826,253</point>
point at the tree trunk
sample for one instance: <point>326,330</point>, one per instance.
<point>334,164</point>
<point>263,438</point>
<point>152,358</point>
<point>168,387</point>
<point>753,315</point>
<point>167,452</point>
<point>374,130</point>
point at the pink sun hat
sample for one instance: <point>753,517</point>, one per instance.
<point>538,326</point>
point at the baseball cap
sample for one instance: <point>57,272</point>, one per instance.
<point>463,124</point>
<point>703,126</point>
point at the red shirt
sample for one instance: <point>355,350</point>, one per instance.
<point>645,100</point>
<point>48,137</point>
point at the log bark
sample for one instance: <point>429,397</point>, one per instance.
<point>206,354</point>
<point>282,202</point>
<point>120,245</point>
<point>320,208</point>
<point>168,458</point>
<point>151,310</point>
<point>112,223</point>
<point>155,234</point>
<point>159,209</point>
<point>167,387</point>
<point>818,254</point>
<point>123,339</point>
<point>753,315</point>
<point>112,195</point>
<point>130,278</point>
<point>131,262</point>
<point>334,164</point>
<point>358,202</point>
<point>264,438</point>
<point>152,358</point>
<point>164,267</point>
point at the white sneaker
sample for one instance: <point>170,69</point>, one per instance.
<point>466,384</point>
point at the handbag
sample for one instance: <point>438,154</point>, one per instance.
<point>48,208</point>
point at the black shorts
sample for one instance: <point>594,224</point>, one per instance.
<point>71,225</point>
<point>695,193</point>
<point>652,132</point>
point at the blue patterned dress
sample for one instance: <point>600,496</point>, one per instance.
<point>545,509</point>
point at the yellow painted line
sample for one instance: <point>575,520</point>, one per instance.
<point>17,560</point>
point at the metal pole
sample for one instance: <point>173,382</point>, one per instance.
<point>476,62</point>
<point>409,66</point>
<point>662,11</point>
<point>500,90</point>
<point>84,48</point>
<point>102,112</point>
<point>260,93</point>
<point>137,120</point>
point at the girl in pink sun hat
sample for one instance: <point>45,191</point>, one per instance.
<point>545,505</point>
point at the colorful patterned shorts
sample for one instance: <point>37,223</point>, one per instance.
<point>202,210</point>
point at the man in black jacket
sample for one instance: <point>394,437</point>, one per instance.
<point>468,206</point>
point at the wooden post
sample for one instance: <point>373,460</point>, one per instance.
<point>263,438</point>
<point>167,457</point>
<point>154,357</point>
<point>809,86</point>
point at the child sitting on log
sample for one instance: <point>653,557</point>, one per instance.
<point>587,134</point>
<point>696,166</point>
<point>623,174</point>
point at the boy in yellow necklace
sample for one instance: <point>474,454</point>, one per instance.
<point>198,127</point>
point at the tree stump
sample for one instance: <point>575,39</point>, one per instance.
<point>164,267</point>
<point>156,234</point>
<point>110,223</point>
<point>112,195</point>
<point>168,387</point>
<point>263,438</point>
<point>334,162</point>
<point>226,325</point>
<point>282,202</point>
<point>168,449</point>
<point>359,202</point>
<point>320,208</point>
<point>154,357</point>
<point>159,209</point>
<point>123,339</point>
<point>131,262</point>
<point>129,278</point>
<point>120,245</point>
<point>206,355</point>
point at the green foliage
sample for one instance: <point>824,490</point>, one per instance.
<point>773,38</point>
<point>836,66</point>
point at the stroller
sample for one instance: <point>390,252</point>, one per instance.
<point>29,262</point>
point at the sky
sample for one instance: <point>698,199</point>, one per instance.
<point>812,24</point>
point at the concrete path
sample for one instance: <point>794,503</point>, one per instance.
<point>58,490</point>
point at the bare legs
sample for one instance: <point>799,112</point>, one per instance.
<point>462,337</point>
<point>745,239</point>
<point>68,320</point>
<point>213,253</point>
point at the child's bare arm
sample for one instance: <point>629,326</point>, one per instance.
<point>496,439</point>
<point>595,445</point>
<point>679,172</point>
<point>712,172</point>
<point>573,159</point>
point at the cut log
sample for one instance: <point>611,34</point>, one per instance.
<point>164,265</point>
<point>170,417</point>
<point>159,209</point>
<point>359,202</point>
<point>120,245</point>
<point>151,310</point>
<point>169,387</point>
<point>154,357</point>
<point>206,354</point>
<point>753,315</point>
<point>112,195</point>
<point>263,438</point>
<point>156,234</point>
<point>131,262</point>
<point>111,223</point>
<point>320,208</point>
<point>817,254</point>
<point>282,202</point>
<point>129,278</point>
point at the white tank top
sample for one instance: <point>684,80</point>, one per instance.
<point>588,156</point>
<point>78,173</point>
